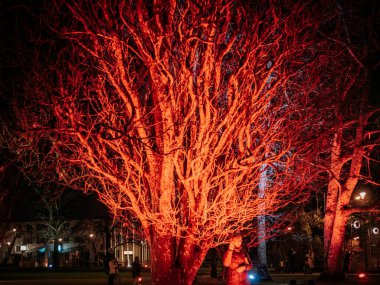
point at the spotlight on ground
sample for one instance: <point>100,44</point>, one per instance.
<point>361,275</point>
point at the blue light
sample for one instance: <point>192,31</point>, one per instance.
<point>251,276</point>
<point>50,265</point>
<point>42,250</point>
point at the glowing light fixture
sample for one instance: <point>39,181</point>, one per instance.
<point>289,228</point>
<point>375,231</point>
<point>14,230</point>
<point>91,235</point>
<point>356,224</point>
<point>361,275</point>
<point>251,276</point>
<point>362,195</point>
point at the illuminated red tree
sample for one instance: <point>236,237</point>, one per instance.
<point>355,143</point>
<point>171,111</point>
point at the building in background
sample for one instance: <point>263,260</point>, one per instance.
<point>81,244</point>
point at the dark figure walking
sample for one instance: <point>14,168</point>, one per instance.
<point>107,259</point>
<point>136,271</point>
<point>309,264</point>
<point>291,260</point>
<point>347,262</point>
<point>213,262</point>
<point>113,270</point>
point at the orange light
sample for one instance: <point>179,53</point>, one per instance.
<point>361,275</point>
<point>289,228</point>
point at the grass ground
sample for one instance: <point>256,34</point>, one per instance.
<point>99,278</point>
<point>125,277</point>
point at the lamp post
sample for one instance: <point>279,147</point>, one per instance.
<point>11,243</point>
<point>362,198</point>
<point>92,249</point>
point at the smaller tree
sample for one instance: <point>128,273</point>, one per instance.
<point>356,133</point>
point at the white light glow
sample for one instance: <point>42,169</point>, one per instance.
<point>356,224</point>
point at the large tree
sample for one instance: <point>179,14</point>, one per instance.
<point>172,110</point>
<point>355,141</point>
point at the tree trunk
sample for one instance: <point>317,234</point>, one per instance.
<point>167,268</point>
<point>261,231</point>
<point>107,235</point>
<point>55,261</point>
<point>336,243</point>
<point>262,246</point>
<point>334,187</point>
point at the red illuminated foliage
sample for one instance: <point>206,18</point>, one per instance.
<point>171,110</point>
<point>355,143</point>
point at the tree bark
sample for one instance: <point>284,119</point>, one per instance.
<point>262,246</point>
<point>337,239</point>
<point>177,271</point>
<point>55,261</point>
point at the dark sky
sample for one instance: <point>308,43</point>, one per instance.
<point>24,204</point>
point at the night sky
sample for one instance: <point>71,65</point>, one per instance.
<point>19,21</point>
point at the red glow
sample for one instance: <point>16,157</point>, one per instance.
<point>140,279</point>
<point>179,118</point>
<point>361,275</point>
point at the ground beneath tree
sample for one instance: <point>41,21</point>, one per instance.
<point>90,279</point>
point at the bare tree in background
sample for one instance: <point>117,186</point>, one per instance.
<point>355,142</point>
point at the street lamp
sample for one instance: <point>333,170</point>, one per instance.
<point>92,249</point>
<point>361,195</point>
<point>362,198</point>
